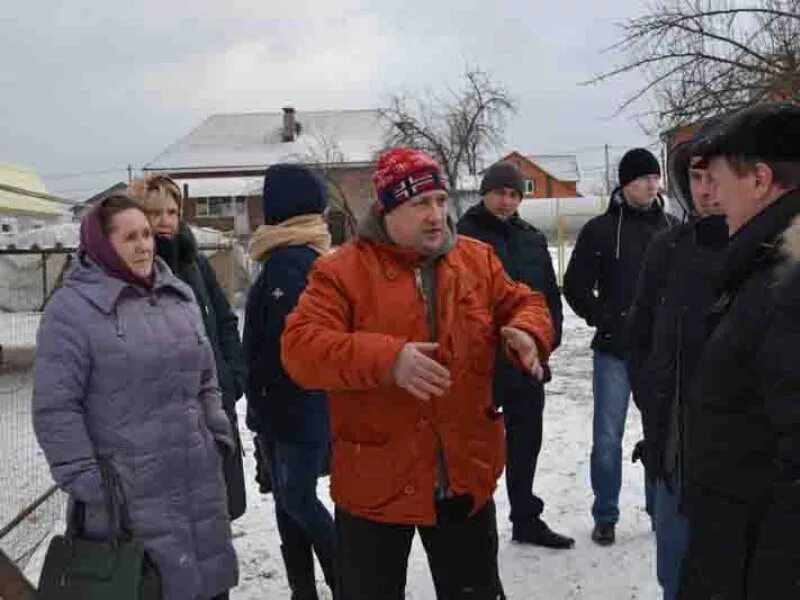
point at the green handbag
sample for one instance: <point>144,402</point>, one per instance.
<point>118,568</point>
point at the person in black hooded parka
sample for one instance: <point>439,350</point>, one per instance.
<point>291,422</point>
<point>743,428</point>
<point>176,245</point>
<point>523,251</point>
<point>599,285</point>
<point>667,333</point>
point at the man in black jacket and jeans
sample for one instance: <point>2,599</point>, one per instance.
<point>666,337</point>
<point>599,286</point>
<point>743,427</point>
<point>523,251</point>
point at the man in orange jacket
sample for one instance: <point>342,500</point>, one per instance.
<point>400,327</point>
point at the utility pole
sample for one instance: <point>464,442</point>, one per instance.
<point>607,182</point>
<point>130,173</point>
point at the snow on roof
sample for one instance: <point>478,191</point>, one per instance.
<point>230,141</point>
<point>23,192</point>
<point>222,186</point>
<point>563,167</point>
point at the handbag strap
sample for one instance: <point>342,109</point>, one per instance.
<point>118,518</point>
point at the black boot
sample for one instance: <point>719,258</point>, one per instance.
<point>537,532</point>
<point>299,563</point>
<point>603,534</point>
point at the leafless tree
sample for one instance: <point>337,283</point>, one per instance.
<point>457,127</point>
<point>326,156</point>
<point>706,57</point>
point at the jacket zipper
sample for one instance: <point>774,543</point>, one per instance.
<point>421,289</point>
<point>442,486</point>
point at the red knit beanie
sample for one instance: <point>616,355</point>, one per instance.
<point>403,173</point>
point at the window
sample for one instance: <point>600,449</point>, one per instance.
<point>201,207</point>
<point>216,206</point>
<point>530,186</point>
<point>36,224</point>
<point>8,225</point>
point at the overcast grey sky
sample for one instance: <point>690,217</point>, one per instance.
<point>91,86</point>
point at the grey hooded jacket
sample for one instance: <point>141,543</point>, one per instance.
<point>128,375</point>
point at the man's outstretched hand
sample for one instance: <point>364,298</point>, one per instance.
<point>523,346</point>
<point>416,371</point>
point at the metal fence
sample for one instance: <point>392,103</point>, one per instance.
<point>32,509</point>
<point>30,506</point>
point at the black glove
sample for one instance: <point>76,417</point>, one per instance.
<point>455,509</point>
<point>262,457</point>
<point>652,460</point>
<point>639,453</point>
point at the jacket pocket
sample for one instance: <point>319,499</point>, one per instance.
<point>369,475</point>
<point>485,450</point>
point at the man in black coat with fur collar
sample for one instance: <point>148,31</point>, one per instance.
<point>743,430</point>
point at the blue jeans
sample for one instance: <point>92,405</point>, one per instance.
<point>612,392</point>
<point>301,516</point>
<point>672,537</point>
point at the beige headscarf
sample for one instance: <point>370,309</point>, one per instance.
<point>308,229</point>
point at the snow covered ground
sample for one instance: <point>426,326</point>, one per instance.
<point>625,571</point>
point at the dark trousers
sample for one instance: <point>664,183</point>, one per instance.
<point>303,521</point>
<point>523,407</point>
<point>462,555</point>
<point>721,538</point>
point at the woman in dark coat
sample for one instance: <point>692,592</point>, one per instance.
<point>125,374</point>
<point>175,245</point>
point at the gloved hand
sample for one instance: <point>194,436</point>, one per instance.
<point>639,453</point>
<point>455,509</point>
<point>652,460</point>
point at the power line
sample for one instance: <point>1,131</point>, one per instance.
<point>72,175</point>
<point>75,190</point>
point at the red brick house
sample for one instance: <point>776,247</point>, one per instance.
<point>220,164</point>
<point>548,175</point>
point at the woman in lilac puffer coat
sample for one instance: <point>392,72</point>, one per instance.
<point>125,372</point>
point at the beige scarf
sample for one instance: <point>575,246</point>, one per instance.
<point>309,230</point>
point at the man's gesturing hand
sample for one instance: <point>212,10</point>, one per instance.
<point>419,374</point>
<point>521,344</point>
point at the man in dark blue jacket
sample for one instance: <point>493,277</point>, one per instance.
<point>291,422</point>
<point>599,285</point>
<point>523,251</point>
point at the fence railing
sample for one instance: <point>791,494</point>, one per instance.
<point>31,507</point>
<point>28,276</point>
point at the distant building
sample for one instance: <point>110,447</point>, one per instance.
<point>80,210</point>
<point>25,204</point>
<point>221,163</point>
<point>548,175</point>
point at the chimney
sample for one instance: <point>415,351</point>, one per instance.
<point>289,131</point>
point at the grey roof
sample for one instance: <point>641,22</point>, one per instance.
<point>230,141</point>
<point>563,167</point>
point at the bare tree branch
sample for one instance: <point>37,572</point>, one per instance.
<point>457,129</point>
<point>700,57</point>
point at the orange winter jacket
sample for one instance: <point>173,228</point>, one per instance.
<point>361,305</point>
